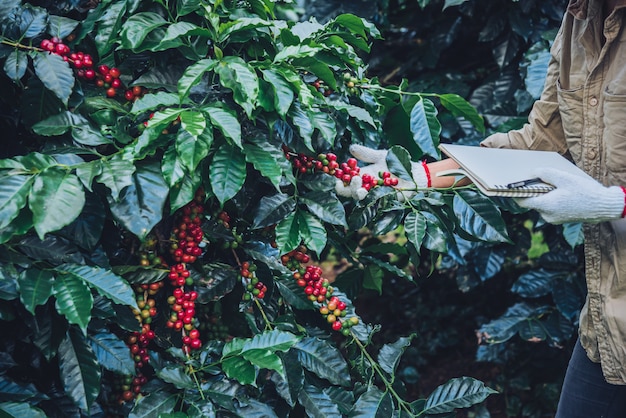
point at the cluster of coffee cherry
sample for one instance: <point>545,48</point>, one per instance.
<point>318,290</point>
<point>102,76</point>
<point>254,287</point>
<point>321,87</point>
<point>128,386</point>
<point>145,302</point>
<point>327,163</point>
<point>137,343</point>
<point>186,247</point>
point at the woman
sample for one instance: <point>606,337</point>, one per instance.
<point>581,113</point>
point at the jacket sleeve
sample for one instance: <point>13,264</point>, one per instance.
<point>544,130</point>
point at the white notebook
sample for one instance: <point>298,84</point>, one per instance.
<point>505,172</point>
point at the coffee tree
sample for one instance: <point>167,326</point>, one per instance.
<point>167,194</point>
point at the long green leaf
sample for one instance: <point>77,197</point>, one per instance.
<point>236,75</point>
<point>226,121</point>
<point>56,199</point>
<point>374,403</point>
<point>326,206</point>
<point>154,404</point>
<point>73,300</point>
<point>79,370</point>
<point>116,175</point>
<point>324,360</point>
<point>14,190</point>
<point>109,25</point>
<point>389,354</point>
<point>460,107</point>
<point>312,232</point>
<point>105,282</point>
<point>415,228</point>
<point>227,172</point>
<point>16,64</point>
<point>479,216</point>
<point>192,76</point>
<point>461,392</point>
<point>283,93</point>
<point>20,410</point>
<point>35,287</point>
<point>137,27</point>
<point>317,403</point>
<point>421,129</point>
<point>55,74</point>
<point>273,209</point>
<point>112,353</point>
<point>264,157</point>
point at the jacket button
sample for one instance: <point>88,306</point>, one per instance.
<point>593,101</point>
<point>592,154</point>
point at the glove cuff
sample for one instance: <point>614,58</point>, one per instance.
<point>421,174</point>
<point>613,203</point>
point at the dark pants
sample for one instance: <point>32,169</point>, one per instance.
<point>586,394</point>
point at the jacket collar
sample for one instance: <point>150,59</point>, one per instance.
<point>580,8</point>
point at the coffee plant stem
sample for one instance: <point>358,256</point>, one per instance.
<point>268,324</point>
<point>17,44</point>
<point>192,372</point>
<point>381,374</point>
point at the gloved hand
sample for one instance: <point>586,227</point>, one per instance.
<point>377,165</point>
<point>575,199</point>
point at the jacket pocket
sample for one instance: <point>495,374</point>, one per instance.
<point>615,131</point>
<point>571,110</point>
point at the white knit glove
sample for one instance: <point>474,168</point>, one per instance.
<point>575,199</point>
<point>377,158</point>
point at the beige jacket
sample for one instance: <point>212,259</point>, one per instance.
<point>582,111</point>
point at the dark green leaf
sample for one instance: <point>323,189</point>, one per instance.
<point>326,206</point>
<point>389,355</point>
<point>218,280</point>
<point>227,172</point>
<point>73,300</point>
<point>154,100</point>
<point>103,281</point>
<point>507,325</point>
<point>116,174</point>
<point>35,287</point>
<point>53,249</point>
<point>283,94</point>
<point>460,107</point>
<point>191,150</point>
<point>317,403</point>
<point>239,369</point>
<point>226,122</point>
<point>59,124</point>
<point>312,232</point>
<point>112,353</point>
<point>324,360</point>
<point>415,228</point>
<point>176,376</point>
<point>273,209</point>
<point>264,157</point>
<point>421,129</point>
<point>61,26</point>
<point>461,392</point>
<point>14,190</point>
<point>20,410</point>
<point>79,370</point>
<point>535,283</point>
<point>154,404</point>
<point>16,64</point>
<point>56,199</point>
<point>55,74</point>
<point>193,75</point>
<point>236,75</point>
<point>137,27</point>
<point>32,21</point>
<point>451,3</point>
<point>373,403</point>
<point>479,216</point>
<point>399,163</point>
<point>140,206</point>
<point>289,384</point>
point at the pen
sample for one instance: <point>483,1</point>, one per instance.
<point>523,183</point>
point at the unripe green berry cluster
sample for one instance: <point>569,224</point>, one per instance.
<point>254,287</point>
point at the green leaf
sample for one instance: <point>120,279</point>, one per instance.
<point>181,29</point>
<point>55,74</point>
<point>56,199</point>
<point>399,163</point>
<point>273,209</point>
<point>479,216</point>
<point>109,26</point>
<point>155,100</point>
<point>137,27</point>
<point>459,107</point>
<point>274,340</point>
<point>73,300</point>
<point>236,75</point>
<point>61,26</point>
<point>324,360</point>
<point>88,135</point>
<point>421,130</point>
<point>79,370</point>
<point>32,21</point>
<point>14,190</point>
<point>373,403</point>
<point>112,353</point>
<point>283,93</point>
<point>288,234</point>
<point>239,369</point>
<point>373,278</point>
<point>193,122</point>
<point>415,228</point>
<point>389,354</point>
<point>289,384</point>
<point>59,124</point>
<point>16,64</point>
<point>264,157</point>
<point>312,232</point>
<point>326,206</point>
<point>154,404</point>
<point>317,403</point>
<point>172,168</point>
<point>105,282</point>
<point>458,393</point>
<point>35,287</point>
<point>227,172</point>
<point>324,123</point>
<point>176,375</point>
<point>190,150</point>
<point>226,121</point>
<point>20,410</point>
<point>117,174</point>
<point>140,206</point>
<point>450,3</point>
<point>193,75</point>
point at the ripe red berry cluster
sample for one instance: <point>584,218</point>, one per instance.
<point>138,343</point>
<point>128,386</point>
<point>327,163</point>
<point>254,287</point>
<point>318,290</point>
<point>321,87</point>
<point>103,76</point>
<point>186,247</point>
